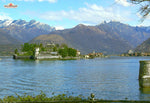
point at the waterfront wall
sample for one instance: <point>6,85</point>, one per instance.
<point>41,56</point>
<point>22,57</point>
<point>144,74</point>
<point>47,57</point>
<point>37,57</point>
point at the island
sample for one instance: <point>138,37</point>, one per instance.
<point>46,51</point>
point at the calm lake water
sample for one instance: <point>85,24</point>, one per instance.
<point>110,78</point>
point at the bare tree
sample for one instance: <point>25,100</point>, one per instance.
<point>145,7</point>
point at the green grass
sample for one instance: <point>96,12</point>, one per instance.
<point>41,98</point>
<point>62,98</point>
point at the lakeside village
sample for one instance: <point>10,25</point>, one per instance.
<point>51,51</point>
<point>132,53</point>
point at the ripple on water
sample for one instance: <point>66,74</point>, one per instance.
<point>107,78</point>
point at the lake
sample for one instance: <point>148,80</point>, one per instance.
<point>113,78</point>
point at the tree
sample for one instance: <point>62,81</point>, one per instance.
<point>72,52</point>
<point>57,45</point>
<point>64,45</point>
<point>145,7</point>
<point>63,52</point>
<point>55,49</point>
<point>16,51</point>
<point>29,49</point>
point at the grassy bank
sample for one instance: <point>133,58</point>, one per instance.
<point>61,99</point>
<point>41,98</point>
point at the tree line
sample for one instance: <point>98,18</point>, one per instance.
<point>63,50</point>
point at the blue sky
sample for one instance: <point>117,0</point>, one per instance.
<point>69,13</point>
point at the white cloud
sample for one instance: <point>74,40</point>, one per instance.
<point>91,14</point>
<point>122,2</point>
<point>4,16</point>
<point>59,28</point>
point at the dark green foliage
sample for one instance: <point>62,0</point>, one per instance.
<point>63,52</point>
<point>72,52</point>
<point>55,49</point>
<point>57,45</point>
<point>16,51</point>
<point>64,45</point>
<point>62,98</point>
<point>40,98</point>
<point>29,49</point>
<point>91,56</point>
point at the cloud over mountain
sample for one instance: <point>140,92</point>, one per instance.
<point>91,14</point>
<point>122,2</point>
<point>4,16</point>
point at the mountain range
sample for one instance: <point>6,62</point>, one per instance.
<point>110,38</point>
<point>144,47</point>
<point>6,39</point>
<point>25,31</point>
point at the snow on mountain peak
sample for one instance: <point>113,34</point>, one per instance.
<point>5,23</point>
<point>25,24</point>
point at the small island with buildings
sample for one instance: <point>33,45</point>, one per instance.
<point>47,51</point>
<point>51,51</point>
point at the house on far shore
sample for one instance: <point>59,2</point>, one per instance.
<point>78,53</point>
<point>130,52</point>
<point>86,56</point>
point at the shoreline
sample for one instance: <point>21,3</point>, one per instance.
<point>35,58</point>
<point>64,98</point>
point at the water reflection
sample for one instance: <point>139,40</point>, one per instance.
<point>144,83</point>
<point>145,90</point>
<point>144,93</point>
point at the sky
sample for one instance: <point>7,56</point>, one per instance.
<point>64,14</point>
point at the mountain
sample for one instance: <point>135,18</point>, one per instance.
<point>6,39</point>
<point>7,43</point>
<point>110,38</point>
<point>91,38</point>
<point>49,38</point>
<point>144,47</point>
<point>133,35</point>
<point>25,31</point>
